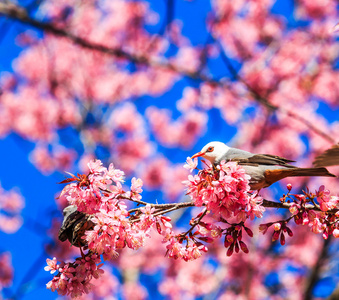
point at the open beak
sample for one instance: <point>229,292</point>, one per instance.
<point>198,154</point>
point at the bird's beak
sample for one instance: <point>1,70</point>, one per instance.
<point>198,154</point>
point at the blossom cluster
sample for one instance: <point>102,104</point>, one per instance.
<point>319,210</point>
<point>280,228</point>
<point>73,279</point>
<point>222,191</point>
<point>101,196</point>
<point>323,218</point>
<point>193,249</point>
<point>225,191</point>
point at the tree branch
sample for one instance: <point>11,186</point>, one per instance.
<point>266,103</point>
<point>267,203</point>
<point>314,276</point>
<point>20,14</point>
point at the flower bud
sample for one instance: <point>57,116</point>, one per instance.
<point>158,227</point>
<point>249,231</point>
<point>282,239</point>
<point>230,238</point>
<point>275,236</point>
<point>240,235</point>
<point>230,251</point>
<point>206,239</point>
<point>298,219</point>
<point>243,247</point>
<point>236,247</point>
<point>289,187</point>
<point>289,231</point>
<point>263,228</point>
<point>227,243</point>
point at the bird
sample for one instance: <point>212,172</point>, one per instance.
<point>74,225</point>
<point>329,158</point>
<point>264,169</point>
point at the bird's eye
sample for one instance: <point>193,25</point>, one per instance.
<point>210,149</point>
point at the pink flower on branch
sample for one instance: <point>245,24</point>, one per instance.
<point>73,279</point>
<point>321,218</point>
<point>222,191</point>
<point>326,201</point>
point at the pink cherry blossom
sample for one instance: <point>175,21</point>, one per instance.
<point>191,164</point>
<point>11,205</point>
<point>73,279</point>
<point>225,192</point>
<point>52,265</point>
<point>325,200</point>
<point>336,233</point>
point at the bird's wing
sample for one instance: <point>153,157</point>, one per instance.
<point>248,158</point>
<point>329,158</point>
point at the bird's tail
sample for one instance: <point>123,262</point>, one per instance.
<point>309,172</point>
<point>272,176</point>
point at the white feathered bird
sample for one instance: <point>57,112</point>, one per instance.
<point>264,169</point>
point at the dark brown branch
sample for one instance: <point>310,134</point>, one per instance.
<point>335,294</point>
<point>155,205</point>
<point>315,273</point>
<point>195,223</point>
<point>266,203</point>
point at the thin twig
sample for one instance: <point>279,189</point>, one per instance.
<point>267,203</point>
<point>159,213</point>
<point>196,222</point>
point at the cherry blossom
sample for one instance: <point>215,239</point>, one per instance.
<point>11,204</point>
<point>191,164</point>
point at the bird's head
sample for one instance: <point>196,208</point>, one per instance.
<point>213,151</point>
